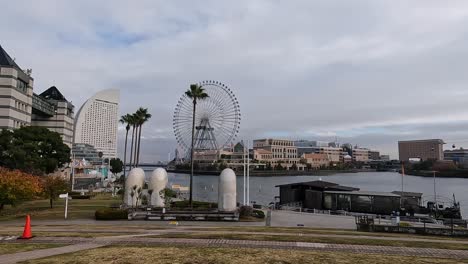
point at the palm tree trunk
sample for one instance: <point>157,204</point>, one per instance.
<point>139,143</point>
<point>191,154</point>
<point>136,147</point>
<point>131,146</point>
<point>125,154</point>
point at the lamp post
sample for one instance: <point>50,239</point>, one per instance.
<point>73,171</point>
<point>435,193</point>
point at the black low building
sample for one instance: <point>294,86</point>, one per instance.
<point>324,195</point>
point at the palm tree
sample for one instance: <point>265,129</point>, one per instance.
<point>125,120</point>
<point>142,117</point>
<point>132,123</point>
<point>196,92</point>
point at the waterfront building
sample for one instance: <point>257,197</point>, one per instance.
<point>262,155</point>
<point>62,119</point>
<point>324,195</point>
<point>97,120</point>
<point>374,155</point>
<point>283,151</point>
<point>334,154</point>
<point>16,93</point>
<point>385,157</point>
<point>316,160</point>
<point>347,158</point>
<point>458,156</point>
<point>361,155</point>
<point>312,146</point>
<point>421,149</point>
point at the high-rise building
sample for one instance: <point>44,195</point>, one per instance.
<point>60,120</point>
<point>16,93</point>
<point>97,120</point>
<point>421,149</point>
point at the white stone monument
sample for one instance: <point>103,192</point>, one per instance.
<point>227,191</point>
<point>136,177</point>
<point>157,183</point>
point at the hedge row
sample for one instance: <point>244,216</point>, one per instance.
<point>111,214</point>
<point>80,196</point>
<point>258,214</point>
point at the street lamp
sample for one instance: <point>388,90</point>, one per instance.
<point>435,193</point>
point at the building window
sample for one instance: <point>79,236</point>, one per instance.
<point>21,85</point>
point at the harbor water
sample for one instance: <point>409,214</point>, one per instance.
<point>263,190</point>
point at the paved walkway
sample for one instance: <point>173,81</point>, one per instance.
<point>42,253</point>
<point>79,244</point>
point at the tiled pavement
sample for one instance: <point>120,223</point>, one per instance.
<point>79,244</point>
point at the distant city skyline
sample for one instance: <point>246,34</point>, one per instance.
<point>370,73</point>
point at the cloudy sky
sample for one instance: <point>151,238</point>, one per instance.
<point>367,72</point>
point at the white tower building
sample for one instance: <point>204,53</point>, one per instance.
<point>97,120</point>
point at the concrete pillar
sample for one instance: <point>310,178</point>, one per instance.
<point>227,191</point>
<point>157,183</point>
<point>136,177</point>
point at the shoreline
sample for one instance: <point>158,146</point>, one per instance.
<point>276,173</point>
<point>430,174</point>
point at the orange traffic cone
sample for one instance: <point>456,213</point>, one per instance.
<point>27,234</point>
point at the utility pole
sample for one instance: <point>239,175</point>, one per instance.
<point>248,173</point>
<point>73,171</point>
<point>243,161</point>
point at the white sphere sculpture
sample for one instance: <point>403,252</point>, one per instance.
<point>157,183</point>
<point>227,191</point>
<point>136,177</point>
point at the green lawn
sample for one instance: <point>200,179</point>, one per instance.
<point>312,239</point>
<point>77,209</point>
<point>9,248</point>
<point>202,255</point>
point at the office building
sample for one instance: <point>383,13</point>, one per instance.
<point>374,155</point>
<point>86,152</point>
<point>361,155</point>
<point>97,120</point>
<point>334,154</point>
<point>283,152</point>
<point>16,93</point>
<point>316,160</point>
<point>385,157</point>
<point>421,149</point>
<point>60,120</point>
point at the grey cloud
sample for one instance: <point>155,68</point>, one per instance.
<point>299,70</point>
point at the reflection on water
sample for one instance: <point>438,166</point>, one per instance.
<point>263,190</point>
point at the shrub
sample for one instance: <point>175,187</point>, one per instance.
<point>405,224</point>
<point>111,214</point>
<point>245,211</point>
<point>196,204</point>
<point>257,206</point>
<point>258,214</point>
<point>80,197</point>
